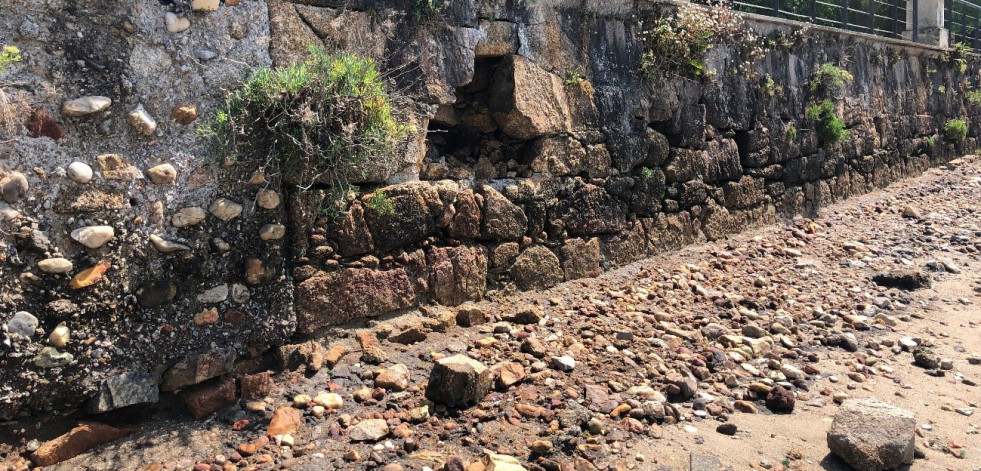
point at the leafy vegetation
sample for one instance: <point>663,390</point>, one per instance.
<point>955,130</point>
<point>678,43</point>
<point>791,131</point>
<point>9,55</point>
<point>573,78</point>
<point>830,128</point>
<point>429,9</point>
<point>957,55</point>
<point>315,121</point>
<point>770,88</point>
<point>380,203</point>
<point>829,80</point>
<point>646,172</point>
<point>973,97</point>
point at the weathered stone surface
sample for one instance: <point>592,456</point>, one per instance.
<point>272,232</point>
<point>457,274</point>
<point>114,167</point>
<point>495,462</point>
<point>257,386</point>
<point>529,101</point>
<point>196,369</point>
<point>467,215</point>
<point>184,114</point>
<point>590,210</point>
<point>76,441</point>
<point>581,258</point>
<point>458,381</point>
<point>352,293</point>
<point>872,436</point>
<point>536,268</point>
<point>351,232</point>
<point>415,208</point>
<point>125,389</point>
<point>206,399</point>
<point>85,105</point>
<point>309,355</point>
<point>50,357</point>
<point>369,430</point>
<point>503,220</point>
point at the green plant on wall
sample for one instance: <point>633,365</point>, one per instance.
<point>830,128</point>
<point>769,87</point>
<point>829,80</point>
<point>955,130</point>
<point>678,43</point>
<point>315,121</point>
<point>957,55</point>
<point>380,202</point>
<point>429,9</point>
<point>573,78</point>
<point>8,55</point>
<point>791,131</point>
<point>973,97</point>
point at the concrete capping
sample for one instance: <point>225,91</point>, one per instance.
<point>826,29</point>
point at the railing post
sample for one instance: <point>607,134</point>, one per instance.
<point>872,6</point>
<point>776,7</point>
<point>814,11</point>
<point>844,14</point>
<point>925,22</point>
<point>895,18</point>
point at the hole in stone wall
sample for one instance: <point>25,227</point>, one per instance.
<point>465,139</point>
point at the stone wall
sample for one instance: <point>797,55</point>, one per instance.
<point>520,177</point>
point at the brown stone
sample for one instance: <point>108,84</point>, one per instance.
<point>76,441</point>
<point>503,220</point>
<point>309,355</point>
<point>340,296</point>
<point>205,399</point>
<point>529,101</point>
<point>581,258</point>
<point>286,420</point>
<point>257,386</point>
<point>185,114</point>
<point>536,268</point>
<point>115,168</point>
<point>42,124</point>
<point>511,373</point>
<point>89,276</point>
<point>457,274</point>
<point>195,369</point>
<point>206,317</point>
<point>471,316</point>
<point>257,273</point>
<point>334,355</point>
<point>466,220</point>
<point>81,200</point>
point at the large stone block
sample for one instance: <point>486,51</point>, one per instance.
<point>344,295</point>
<point>457,274</point>
<point>411,216</point>
<point>528,101</point>
<point>458,381</point>
<point>873,436</point>
<point>536,268</point>
<point>125,389</point>
<point>590,210</point>
<point>503,220</point>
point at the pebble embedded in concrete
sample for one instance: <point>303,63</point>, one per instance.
<point>166,246</point>
<point>80,172</point>
<point>187,217</point>
<point>214,295</point>
<point>163,174</point>
<point>93,237</point>
<point>13,187</point>
<point>55,265</point>
<point>272,232</point>
<point>204,5</point>
<point>176,24</point>
<point>60,335</point>
<point>141,120</point>
<point>85,105</point>
<point>225,209</point>
<point>267,199</point>
<point>23,323</point>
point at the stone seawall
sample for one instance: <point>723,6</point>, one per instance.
<point>542,155</point>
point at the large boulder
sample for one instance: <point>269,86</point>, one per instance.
<point>528,101</point>
<point>503,220</point>
<point>872,436</point>
<point>590,210</point>
<point>344,295</point>
<point>402,214</point>
<point>458,381</point>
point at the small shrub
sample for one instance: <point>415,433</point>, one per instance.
<point>770,88</point>
<point>9,55</point>
<point>829,80</point>
<point>930,142</point>
<point>955,130</point>
<point>429,9</point>
<point>830,128</point>
<point>791,132</point>
<point>942,89</point>
<point>380,203</point>
<point>973,97</point>
<point>573,78</point>
<point>957,55</point>
<point>646,173</point>
<point>678,43</point>
<point>316,121</point>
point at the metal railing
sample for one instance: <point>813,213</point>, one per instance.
<point>962,18</point>
<point>878,17</point>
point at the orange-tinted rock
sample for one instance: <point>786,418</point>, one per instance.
<point>90,276</point>
<point>286,420</point>
<point>76,441</point>
<point>257,386</point>
<point>335,354</point>
<point>206,317</point>
<point>206,399</point>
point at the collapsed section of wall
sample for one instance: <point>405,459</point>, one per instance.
<point>543,154</point>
